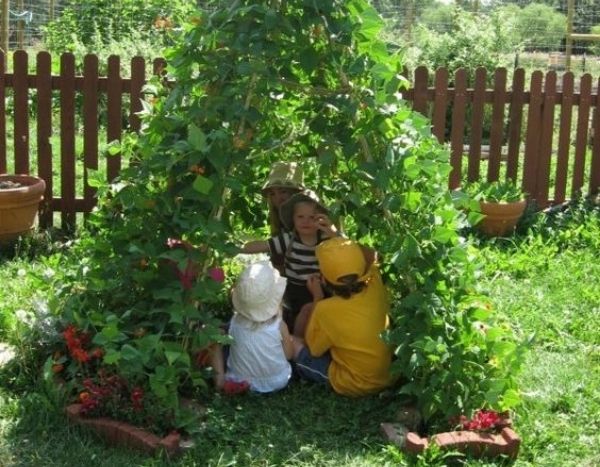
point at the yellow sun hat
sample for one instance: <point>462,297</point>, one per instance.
<point>338,258</point>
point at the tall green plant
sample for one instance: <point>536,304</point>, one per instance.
<point>296,80</point>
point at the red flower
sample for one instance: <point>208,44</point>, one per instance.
<point>483,420</point>
<point>80,355</point>
<point>137,396</point>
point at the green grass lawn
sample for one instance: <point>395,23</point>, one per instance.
<point>545,280</point>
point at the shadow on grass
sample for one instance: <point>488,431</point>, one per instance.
<point>301,425</point>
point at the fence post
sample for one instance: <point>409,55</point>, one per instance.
<point>67,140</point>
<point>44,132</point>
<point>458,127</point>
<point>583,121</point>
<point>532,140</point>
<point>114,102</point>
<point>420,90</point>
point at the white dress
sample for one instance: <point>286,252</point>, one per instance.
<point>256,355</point>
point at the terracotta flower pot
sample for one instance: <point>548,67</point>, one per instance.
<point>500,218</point>
<point>19,205</point>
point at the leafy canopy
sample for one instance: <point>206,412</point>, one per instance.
<point>300,80</point>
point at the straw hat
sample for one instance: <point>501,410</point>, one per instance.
<point>258,292</point>
<point>286,210</point>
<point>284,175</point>
<point>339,257</point>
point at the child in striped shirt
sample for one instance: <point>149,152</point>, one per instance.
<point>308,224</point>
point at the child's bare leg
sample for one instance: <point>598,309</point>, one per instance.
<point>302,319</point>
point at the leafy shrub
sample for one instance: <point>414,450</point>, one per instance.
<point>304,82</point>
<point>100,23</point>
<point>541,24</point>
<point>472,41</point>
<point>505,191</point>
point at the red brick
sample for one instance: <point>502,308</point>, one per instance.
<point>507,442</point>
<point>117,433</point>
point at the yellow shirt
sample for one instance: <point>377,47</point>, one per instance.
<point>351,328</point>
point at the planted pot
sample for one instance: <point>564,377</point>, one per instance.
<point>20,197</point>
<point>500,217</point>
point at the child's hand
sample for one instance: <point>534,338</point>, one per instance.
<point>325,225</point>
<point>313,284</point>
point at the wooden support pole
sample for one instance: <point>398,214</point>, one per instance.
<point>4,30</point>
<point>20,25</point>
<point>569,37</point>
<point>51,8</point>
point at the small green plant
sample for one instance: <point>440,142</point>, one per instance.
<point>506,191</point>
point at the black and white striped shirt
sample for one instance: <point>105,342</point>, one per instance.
<point>300,259</point>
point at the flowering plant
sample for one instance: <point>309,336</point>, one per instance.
<point>104,393</point>
<point>482,420</point>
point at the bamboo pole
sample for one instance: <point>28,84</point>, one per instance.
<point>51,12</point>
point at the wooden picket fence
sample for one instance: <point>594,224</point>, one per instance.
<point>522,132</point>
<point>86,90</point>
<point>525,125</point>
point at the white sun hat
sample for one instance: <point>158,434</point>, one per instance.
<point>258,292</point>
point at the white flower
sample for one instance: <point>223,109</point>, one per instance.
<point>48,273</point>
<point>21,273</point>
<point>7,353</point>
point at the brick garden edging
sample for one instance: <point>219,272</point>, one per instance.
<point>478,444</point>
<point>125,435</point>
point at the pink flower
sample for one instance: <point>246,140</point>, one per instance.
<point>217,274</point>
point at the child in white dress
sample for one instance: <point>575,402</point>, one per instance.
<point>262,344</point>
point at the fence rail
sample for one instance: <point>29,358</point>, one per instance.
<point>540,135</point>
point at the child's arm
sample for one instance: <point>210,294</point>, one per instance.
<point>256,246</point>
<point>287,341</point>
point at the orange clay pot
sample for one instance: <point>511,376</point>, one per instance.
<point>19,206</point>
<point>500,218</point>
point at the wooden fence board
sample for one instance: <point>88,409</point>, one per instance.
<point>3,164</point>
<point>114,105</point>
<point>514,125</point>
<point>458,128</point>
<point>564,138</point>
<point>138,78</point>
<point>90,125</point>
<point>583,118</point>
<point>420,90</point>
<point>67,140</point>
<point>476,124</point>
<point>44,132</point>
<point>21,112</point>
<point>545,147</point>
<point>532,139</point>
<point>440,104</point>
<point>497,126</point>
